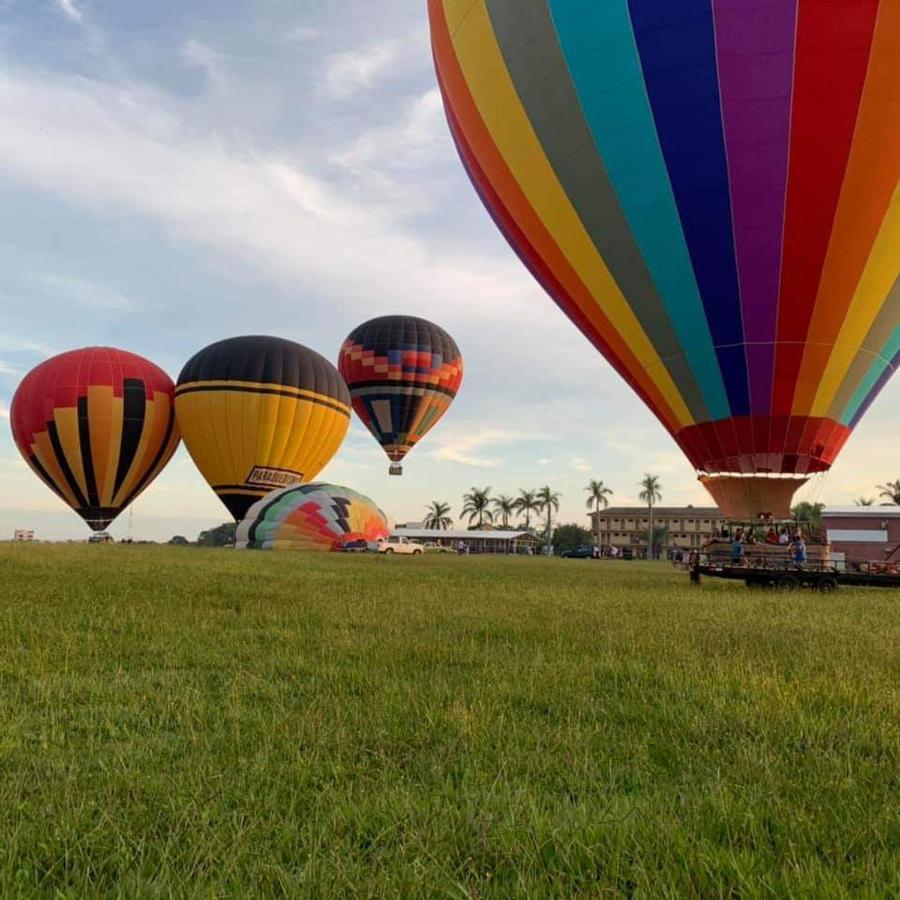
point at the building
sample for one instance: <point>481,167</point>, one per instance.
<point>626,526</point>
<point>486,541</point>
<point>23,534</point>
<point>862,533</point>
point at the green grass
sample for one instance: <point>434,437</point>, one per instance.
<point>180,722</point>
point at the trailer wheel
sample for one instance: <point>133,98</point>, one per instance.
<point>789,582</point>
<point>827,585</point>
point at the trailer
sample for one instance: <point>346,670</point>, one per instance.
<point>788,576</point>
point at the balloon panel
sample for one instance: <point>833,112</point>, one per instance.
<point>97,426</point>
<point>403,372</point>
<point>258,413</point>
<point>709,190</point>
<point>311,517</point>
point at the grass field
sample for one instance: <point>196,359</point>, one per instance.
<point>181,722</point>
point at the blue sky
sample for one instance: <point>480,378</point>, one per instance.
<point>172,173</point>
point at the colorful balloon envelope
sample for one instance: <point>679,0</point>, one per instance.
<point>97,426</point>
<point>311,517</point>
<point>403,373</point>
<point>258,413</point>
<point>709,190</point>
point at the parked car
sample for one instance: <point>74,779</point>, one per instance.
<point>395,544</point>
<point>360,546</point>
<point>434,547</point>
<point>583,552</point>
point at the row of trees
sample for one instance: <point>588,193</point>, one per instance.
<point>480,508</point>
<point>889,491</point>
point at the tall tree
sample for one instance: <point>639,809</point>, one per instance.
<point>864,501</point>
<point>505,507</point>
<point>597,493</point>
<point>570,537</point>
<point>437,515</point>
<point>651,492</point>
<point>477,505</point>
<point>548,501</point>
<point>810,513</point>
<point>890,490</point>
<point>220,536</point>
<point>527,503</point>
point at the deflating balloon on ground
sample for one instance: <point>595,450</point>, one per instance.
<point>311,517</point>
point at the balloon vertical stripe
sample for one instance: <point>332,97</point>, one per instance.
<point>676,43</point>
<point>509,129</point>
<point>531,51</point>
<point>605,68</point>
<point>755,55</point>
<point>571,296</point>
<point>833,38</point>
<point>575,287</point>
<point>862,261</point>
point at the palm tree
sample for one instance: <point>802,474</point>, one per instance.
<point>505,507</point>
<point>863,501</point>
<point>651,491</point>
<point>527,503</point>
<point>597,494</point>
<point>548,502</point>
<point>437,515</point>
<point>891,490</point>
<point>477,505</point>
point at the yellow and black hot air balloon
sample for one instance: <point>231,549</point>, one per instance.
<point>97,425</point>
<point>259,413</point>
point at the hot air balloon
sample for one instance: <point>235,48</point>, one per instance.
<point>258,413</point>
<point>709,190</point>
<point>403,373</point>
<point>97,426</point>
<point>311,517</point>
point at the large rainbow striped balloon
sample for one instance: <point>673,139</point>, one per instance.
<point>313,516</point>
<point>709,190</point>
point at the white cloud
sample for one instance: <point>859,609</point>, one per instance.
<point>4,410</point>
<point>86,294</point>
<point>466,446</point>
<point>414,140</point>
<point>201,56</point>
<point>70,10</point>
<point>301,33</point>
<point>125,152</point>
<point>350,71</point>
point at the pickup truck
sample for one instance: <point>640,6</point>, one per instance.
<point>395,544</point>
<point>583,552</point>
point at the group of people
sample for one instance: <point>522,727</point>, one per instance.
<point>784,537</point>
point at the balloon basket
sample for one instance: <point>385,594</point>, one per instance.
<point>395,469</point>
<point>748,498</point>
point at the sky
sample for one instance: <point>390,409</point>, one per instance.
<point>177,172</point>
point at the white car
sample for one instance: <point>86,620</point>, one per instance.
<point>395,544</point>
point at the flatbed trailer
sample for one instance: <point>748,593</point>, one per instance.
<point>789,577</point>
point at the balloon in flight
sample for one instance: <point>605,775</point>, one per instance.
<point>96,425</point>
<point>314,516</point>
<point>403,372</point>
<point>709,190</point>
<point>259,413</point>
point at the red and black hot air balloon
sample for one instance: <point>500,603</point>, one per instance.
<point>97,426</point>
<point>403,373</point>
